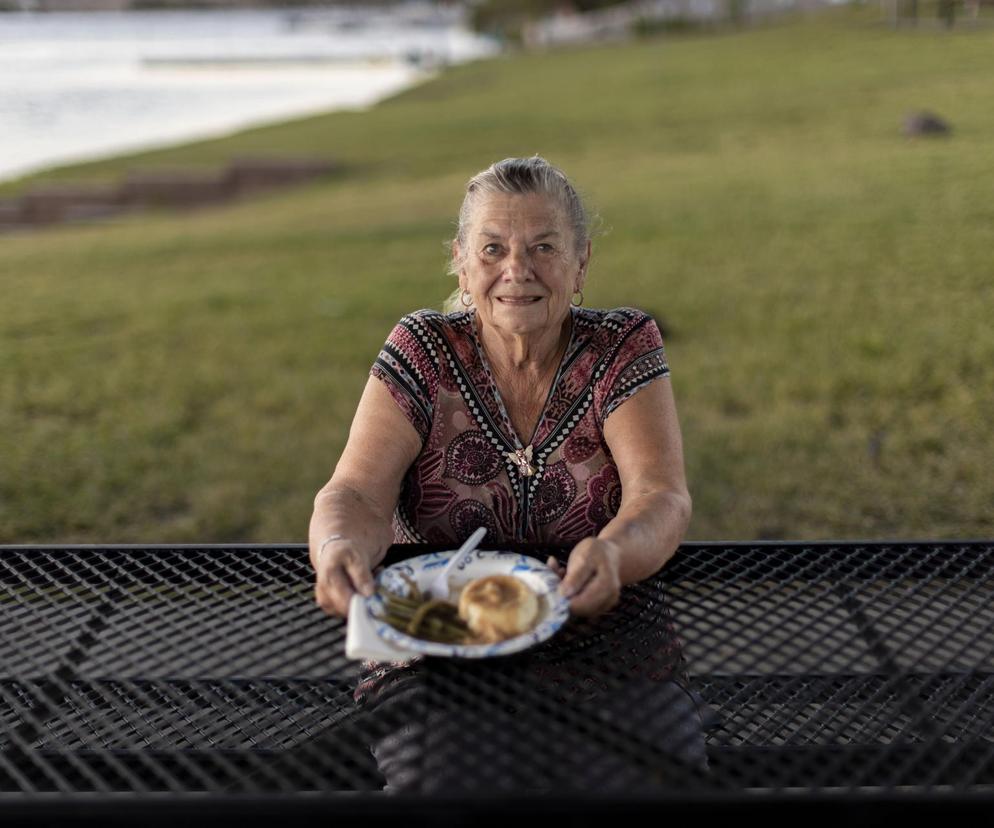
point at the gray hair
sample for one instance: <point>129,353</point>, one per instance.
<point>523,176</point>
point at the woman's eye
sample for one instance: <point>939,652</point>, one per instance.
<point>492,249</point>
<point>545,248</point>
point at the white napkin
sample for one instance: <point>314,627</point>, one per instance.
<point>362,642</point>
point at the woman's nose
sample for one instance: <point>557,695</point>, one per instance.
<point>518,265</point>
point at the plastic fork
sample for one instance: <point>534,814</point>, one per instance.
<point>439,587</point>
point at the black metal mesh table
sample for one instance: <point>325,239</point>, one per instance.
<point>149,677</point>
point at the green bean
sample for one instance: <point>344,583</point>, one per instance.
<point>415,589</point>
<point>415,623</point>
<point>404,602</point>
<point>398,621</point>
<point>431,620</point>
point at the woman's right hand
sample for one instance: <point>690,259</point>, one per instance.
<point>359,500</point>
<point>342,571</point>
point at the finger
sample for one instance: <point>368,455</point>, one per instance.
<point>579,570</point>
<point>598,595</point>
<point>326,601</point>
<point>338,588</point>
<point>591,602</point>
<point>555,566</point>
<point>362,578</point>
<point>587,590</point>
<point>601,589</point>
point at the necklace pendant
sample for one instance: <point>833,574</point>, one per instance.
<point>522,459</point>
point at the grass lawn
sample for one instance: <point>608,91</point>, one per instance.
<point>825,284</point>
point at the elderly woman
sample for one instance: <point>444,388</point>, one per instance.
<point>522,411</point>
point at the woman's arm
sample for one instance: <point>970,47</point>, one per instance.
<point>643,434</point>
<point>357,503</point>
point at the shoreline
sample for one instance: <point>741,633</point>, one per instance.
<point>193,134</point>
<point>81,88</point>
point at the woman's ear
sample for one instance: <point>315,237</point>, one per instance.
<point>457,259</point>
<point>456,252</point>
<point>584,264</point>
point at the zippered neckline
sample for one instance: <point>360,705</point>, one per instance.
<point>511,434</point>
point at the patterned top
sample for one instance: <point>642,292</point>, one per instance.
<point>465,477</point>
<point>466,474</point>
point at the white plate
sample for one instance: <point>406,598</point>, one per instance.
<point>553,608</point>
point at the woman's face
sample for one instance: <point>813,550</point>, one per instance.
<point>521,265</point>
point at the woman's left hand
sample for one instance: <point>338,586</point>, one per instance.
<point>590,577</point>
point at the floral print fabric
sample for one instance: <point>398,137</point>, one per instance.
<point>437,372</point>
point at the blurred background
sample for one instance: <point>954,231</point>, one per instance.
<point>213,212</point>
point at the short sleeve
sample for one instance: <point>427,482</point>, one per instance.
<point>408,366</point>
<point>638,359</point>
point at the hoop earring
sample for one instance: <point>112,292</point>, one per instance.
<point>462,299</point>
<point>577,304</point>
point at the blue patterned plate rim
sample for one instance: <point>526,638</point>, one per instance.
<point>554,612</point>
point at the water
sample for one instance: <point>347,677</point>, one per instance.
<point>76,86</point>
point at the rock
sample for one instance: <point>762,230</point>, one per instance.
<point>57,203</point>
<point>51,204</point>
<point>925,124</point>
<point>175,188</point>
<point>250,174</point>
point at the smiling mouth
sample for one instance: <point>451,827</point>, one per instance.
<point>519,300</point>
